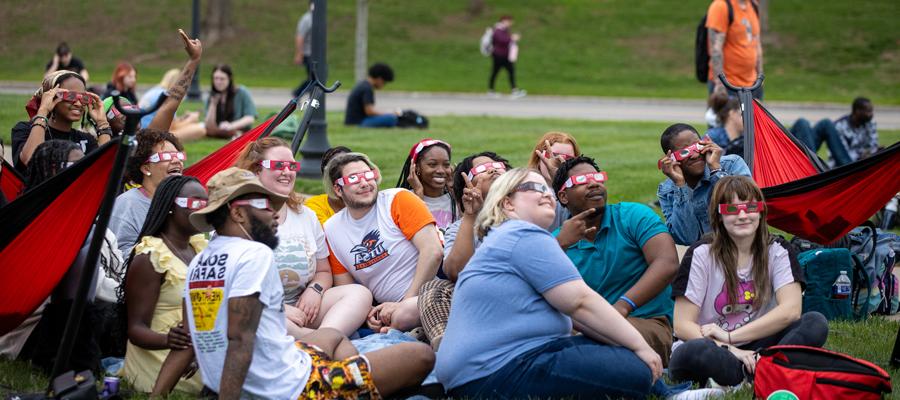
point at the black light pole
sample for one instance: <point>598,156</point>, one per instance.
<point>194,92</point>
<point>317,143</point>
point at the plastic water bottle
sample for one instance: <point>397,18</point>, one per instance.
<point>841,287</point>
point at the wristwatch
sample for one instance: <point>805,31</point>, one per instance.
<point>318,288</point>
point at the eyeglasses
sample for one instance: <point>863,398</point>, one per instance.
<point>166,156</point>
<point>598,177</point>
<point>191,203</point>
<point>280,165</point>
<point>551,154</point>
<point>533,187</point>
<point>488,166</point>
<point>71,97</point>
<point>261,203</point>
<point>353,179</point>
<point>735,209</point>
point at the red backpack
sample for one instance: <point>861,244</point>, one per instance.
<point>802,372</point>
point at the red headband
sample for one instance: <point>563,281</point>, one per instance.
<point>415,150</point>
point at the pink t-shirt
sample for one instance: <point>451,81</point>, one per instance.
<point>701,281</point>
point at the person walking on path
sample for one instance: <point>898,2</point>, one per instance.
<point>505,52</point>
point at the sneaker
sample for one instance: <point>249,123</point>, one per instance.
<point>492,94</point>
<point>518,93</point>
<point>698,394</point>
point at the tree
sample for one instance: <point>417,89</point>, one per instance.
<point>217,24</point>
<point>362,39</point>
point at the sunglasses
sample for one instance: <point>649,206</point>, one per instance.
<point>353,179</point>
<point>261,203</point>
<point>598,177</point>
<point>191,203</point>
<point>533,187</point>
<point>71,97</point>
<point>551,154</point>
<point>166,156</point>
<point>735,209</point>
<point>488,166</point>
<point>280,165</point>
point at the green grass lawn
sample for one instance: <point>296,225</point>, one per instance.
<point>829,50</point>
<point>627,150</point>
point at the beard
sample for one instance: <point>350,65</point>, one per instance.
<point>356,204</point>
<point>263,233</point>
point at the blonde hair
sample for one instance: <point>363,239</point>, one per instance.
<point>553,137</point>
<point>492,214</point>
<point>333,170</point>
<point>254,152</point>
<point>168,80</point>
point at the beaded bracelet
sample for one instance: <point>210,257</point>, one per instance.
<point>39,117</point>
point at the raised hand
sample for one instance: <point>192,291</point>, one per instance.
<point>551,164</point>
<point>95,111</point>
<point>49,100</point>
<point>471,198</point>
<point>712,151</point>
<point>672,169</point>
<point>414,183</point>
<point>576,228</point>
<point>193,47</point>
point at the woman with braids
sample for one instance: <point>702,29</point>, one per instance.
<point>427,173</point>
<point>61,101</point>
<point>155,282</point>
<point>48,159</point>
<point>230,110</point>
<point>327,204</point>
<point>311,300</point>
<point>737,291</point>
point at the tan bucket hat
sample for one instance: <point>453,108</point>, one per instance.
<point>228,185</point>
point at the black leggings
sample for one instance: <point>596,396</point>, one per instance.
<point>700,359</point>
<point>502,62</point>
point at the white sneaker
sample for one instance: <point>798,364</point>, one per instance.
<point>698,394</point>
<point>518,93</point>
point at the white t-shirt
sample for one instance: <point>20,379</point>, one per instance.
<point>442,210</point>
<point>377,249</point>
<point>236,267</point>
<point>701,281</point>
<point>301,242</point>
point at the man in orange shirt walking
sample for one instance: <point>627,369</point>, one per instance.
<point>735,48</point>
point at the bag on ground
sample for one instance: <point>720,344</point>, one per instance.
<point>821,268</point>
<point>412,119</point>
<point>875,250</point>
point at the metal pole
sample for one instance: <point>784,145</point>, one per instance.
<point>194,92</point>
<point>317,143</point>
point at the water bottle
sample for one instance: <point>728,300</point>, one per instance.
<point>841,287</point>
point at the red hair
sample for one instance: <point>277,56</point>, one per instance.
<point>118,76</point>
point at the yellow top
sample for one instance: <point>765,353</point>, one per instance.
<point>319,204</point>
<point>142,365</point>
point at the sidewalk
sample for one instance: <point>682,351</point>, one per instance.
<point>542,106</point>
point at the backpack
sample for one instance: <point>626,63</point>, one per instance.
<point>803,372</point>
<point>701,43</point>
<point>821,267</point>
<point>487,44</point>
<point>877,255</point>
<point>412,119</point>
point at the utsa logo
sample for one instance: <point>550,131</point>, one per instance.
<point>369,252</point>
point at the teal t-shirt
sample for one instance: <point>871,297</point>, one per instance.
<point>614,262</point>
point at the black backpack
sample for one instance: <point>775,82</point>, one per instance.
<point>412,119</point>
<point>701,43</point>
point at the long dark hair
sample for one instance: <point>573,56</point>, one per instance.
<point>47,161</point>
<point>464,166</point>
<point>226,112</point>
<point>402,183</point>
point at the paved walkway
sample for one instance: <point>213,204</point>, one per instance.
<point>567,107</point>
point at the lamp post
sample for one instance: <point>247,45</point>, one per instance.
<point>317,139</point>
<point>194,92</point>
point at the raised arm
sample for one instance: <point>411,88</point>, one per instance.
<point>243,319</point>
<point>163,118</point>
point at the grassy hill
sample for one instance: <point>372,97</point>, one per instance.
<point>829,50</point>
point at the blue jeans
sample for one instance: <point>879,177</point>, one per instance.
<point>379,121</point>
<point>574,366</point>
<point>823,131</point>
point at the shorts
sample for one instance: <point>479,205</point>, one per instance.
<point>349,378</point>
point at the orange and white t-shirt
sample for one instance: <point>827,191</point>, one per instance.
<point>740,51</point>
<point>377,249</point>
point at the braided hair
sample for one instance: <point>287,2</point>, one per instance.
<point>402,182</point>
<point>47,161</point>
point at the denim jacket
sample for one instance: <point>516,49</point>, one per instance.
<point>687,209</point>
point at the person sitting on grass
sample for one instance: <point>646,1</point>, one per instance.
<point>622,251</point>
<point>230,110</point>
<point>361,101</point>
<point>63,60</point>
<point>729,134</point>
<point>551,150</point>
<point>738,291</point>
<point>516,303</point>
<point>692,167</point>
<point>311,300</point>
<point>384,240</point>
<point>124,80</point>
<point>427,172</point>
<point>186,127</point>
<point>850,138</point>
<point>61,101</point>
<point>476,175</point>
<point>155,281</point>
<point>235,313</point>
<point>326,204</point>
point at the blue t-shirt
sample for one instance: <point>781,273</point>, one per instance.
<point>498,309</point>
<point>614,262</point>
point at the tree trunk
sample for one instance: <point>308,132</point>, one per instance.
<point>362,39</point>
<point>217,23</point>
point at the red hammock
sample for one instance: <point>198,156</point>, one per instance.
<point>804,199</point>
<point>44,229</point>
<point>226,156</point>
<point>11,183</point>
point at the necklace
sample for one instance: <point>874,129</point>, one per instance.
<point>179,252</point>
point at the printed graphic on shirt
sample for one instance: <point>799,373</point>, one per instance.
<point>206,285</point>
<point>370,251</point>
<point>733,316</point>
<point>294,262</point>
